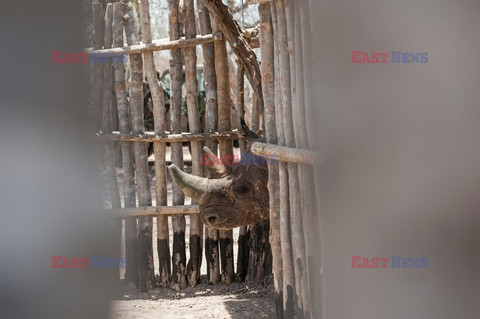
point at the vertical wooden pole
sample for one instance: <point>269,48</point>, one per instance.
<point>196,225</point>
<point>258,240</point>
<point>258,263</point>
<point>268,85</point>
<point>145,223</point>
<point>311,221</point>
<point>285,233</point>
<point>178,222</point>
<point>156,89</point>
<point>295,174</point>
<point>305,172</point>
<point>211,117</point>
<point>131,273</point>
<point>97,72</point>
<point>244,234</point>
<point>286,58</point>
<point>109,151</point>
<point>226,148</point>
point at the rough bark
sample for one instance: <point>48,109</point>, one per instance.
<point>267,69</point>
<point>286,58</point>
<point>312,220</point>
<point>305,171</point>
<point>109,151</point>
<point>243,253</point>
<point>145,224</point>
<point>131,273</point>
<point>226,148</point>
<point>97,72</point>
<point>151,137</point>
<point>211,117</point>
<point>240,104</point>
<point>239,44</point>
<point>244,233</point>
<point>160,45</point>
<point>154,211</point>
<point>285,234</point>
<point>196,225</point>
<point>259,262</point>
<point>178,222</point>
<point>156,89</point>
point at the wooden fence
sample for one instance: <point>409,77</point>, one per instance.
<point>281,89</point>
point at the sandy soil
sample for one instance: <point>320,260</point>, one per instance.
<point>239,300</point>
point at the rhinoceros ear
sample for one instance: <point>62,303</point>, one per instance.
<point>249,134</point>
<point>217,169</point>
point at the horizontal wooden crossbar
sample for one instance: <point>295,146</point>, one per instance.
<point>154,211</point>
<point>159,45</point>
<point>151,137</point>
<point>166,44</point>
<point>286,154</point>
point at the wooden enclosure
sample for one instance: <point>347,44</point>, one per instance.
<point>280,105</point>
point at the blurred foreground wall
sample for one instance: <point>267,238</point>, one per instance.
<point>49,197</point>
<point>401,146</point>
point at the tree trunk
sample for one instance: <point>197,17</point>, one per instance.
<point>156,89</point>
<point>109,151</point>
<point>244,234</point>
<point>196,225</point>
<point>178,222</point>
<point>211,117</point>
<point>97,72</point>
<point>226,148</point>
<point>131,274</point>
<point>285,233</point>
<point>145,224</point>
<point>268,84</point>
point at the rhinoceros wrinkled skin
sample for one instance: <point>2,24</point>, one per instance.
<point>234,195</point>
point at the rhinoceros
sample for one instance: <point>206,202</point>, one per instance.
<point>235,195</point>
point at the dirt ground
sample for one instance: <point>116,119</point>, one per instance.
<point>239,300</point>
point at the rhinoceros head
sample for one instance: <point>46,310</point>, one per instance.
<point>235,195</point>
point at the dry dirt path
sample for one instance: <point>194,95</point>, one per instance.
<point>236,301</point>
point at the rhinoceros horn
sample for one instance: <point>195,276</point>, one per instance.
<point>193,186</point>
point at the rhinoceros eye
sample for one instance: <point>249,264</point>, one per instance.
<point>242,191</point>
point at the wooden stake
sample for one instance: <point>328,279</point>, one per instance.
<point>178,222</point>
<point>226,148</point>
<point>268,84</point>
<point>211,117</point>
<point>196,225</point>
<point>311,221</point>
<point>160,45</point>
<point>152,137</point>
<point>157,211</point>
<point>145,224</point>
<point>96,80</point>
<point>131,273</point>
<point>156,89</point>
<point>109,151</point>
<point>285,233</point>
<point>286,57</point>
<point>239,44</point>
<point>244,234</point>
